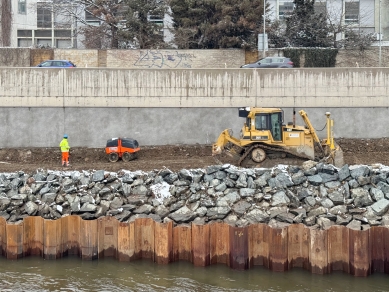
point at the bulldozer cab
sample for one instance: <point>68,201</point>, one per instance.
<point>270,122</point>
<point>262,122</point>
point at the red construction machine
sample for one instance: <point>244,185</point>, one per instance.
<point>125,148</point>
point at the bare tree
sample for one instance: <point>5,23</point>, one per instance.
<point>6,22</point>
<point>107,14</point>
<point>346,24</point>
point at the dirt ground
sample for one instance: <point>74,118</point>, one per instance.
<point>174,157</point>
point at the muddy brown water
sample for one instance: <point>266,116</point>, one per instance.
<point>73,274</point>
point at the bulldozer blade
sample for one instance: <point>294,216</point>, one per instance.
<point>226,157</point>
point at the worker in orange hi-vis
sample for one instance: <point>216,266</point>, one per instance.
<point>64,145</point>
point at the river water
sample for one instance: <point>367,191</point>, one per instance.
<point>73,274</point>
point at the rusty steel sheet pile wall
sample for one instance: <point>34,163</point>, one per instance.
<point>338,248</point>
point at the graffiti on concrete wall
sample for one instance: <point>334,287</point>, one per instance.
<point>164,59</point>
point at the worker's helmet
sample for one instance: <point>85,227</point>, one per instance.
<point>65,136</point>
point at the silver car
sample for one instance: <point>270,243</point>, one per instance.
<point>270,62</point>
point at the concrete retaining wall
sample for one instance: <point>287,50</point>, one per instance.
<point>319,251</point>
<point>91,127</point>
<point>336,87</point>
<point>159,107</point>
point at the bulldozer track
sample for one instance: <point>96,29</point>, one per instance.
<point>268,148</point>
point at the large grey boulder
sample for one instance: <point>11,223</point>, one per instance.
<point>299,178</point>
<point>183,215</point>
<point>257,216</point>
<point>343,220</point>
<point>218,212</point>
<point>280,198</point>
<point>49,198</point>
<point>336,197</point>
<point>241,207</point>
<point>98,176</point>
<point>344,172</point>
<point>136,199</point>
<point>140,190</point>
<point>326,177</point>
<point>324,223</point>
<point>246,192</point>
<point>317,211</point>
<point>357,171</point>
<point>232,197</point>
<point>162,211</point>
<point>242,181</point>
<point>355,225</point>
<point>284,179</point>
<point>171,178</point>
<point>275,211</point>
<point>384,187</point>
<point>361,197</point>
<point>327,203</point>
<point>116,203</point>
<point>88,207</point>
<point>377,194</point>
<point>144,209</point>
<point>31,208</point>
<point>315,180</point>
<point>380,207</point>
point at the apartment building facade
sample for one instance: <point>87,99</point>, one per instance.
<point>37,24</point>
<point>367,16</point>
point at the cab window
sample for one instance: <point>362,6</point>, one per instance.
<point>272,122</point>
<point>261,122</point>
<point>248,123</point>
<point>276,124</point>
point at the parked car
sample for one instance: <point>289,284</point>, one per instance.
<point>57,64</point>
<point>270,62</point>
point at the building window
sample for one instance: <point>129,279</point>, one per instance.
<point>62,33</point>
<point>44,43</point>
<point>43,33</point>
<point>91,19</point>
<point>63,43</point>
<point>24,33</point>
<point>320,7</point>
<point>285,9</point>
<point>24,43</point>
<point>44,17</point>
<point>351,12</point>
<point>22,7</point>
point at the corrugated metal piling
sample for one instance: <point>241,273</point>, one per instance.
<point>359,253</point>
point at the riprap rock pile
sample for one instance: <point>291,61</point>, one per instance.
<point>315,194</point>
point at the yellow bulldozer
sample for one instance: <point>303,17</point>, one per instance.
<point>266,141</point>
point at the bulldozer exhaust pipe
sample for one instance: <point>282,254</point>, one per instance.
<point>294,118</point>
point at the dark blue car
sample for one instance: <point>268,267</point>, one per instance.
<point>57,64</point>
